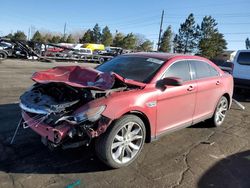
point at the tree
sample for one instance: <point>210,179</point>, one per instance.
<point>76,35</point>
<point>63,39</point>
<point>165,43</point>
<point>10,36</point>
<point>176,44</point>
<point>70,39</point>
<point>19,35</point>
<point>47,37</point>
<point>88,37</point>
<point>211,42</point>
<point>213,46</point>
<point>118,40</point>
<point>55,39</point>
<point>97,34</point>
<point>143,44</point>
<point>186,39</point>
<point>140,39</point>
<point>106,36</point>
<point>247,43</point>
<point>129,41</point>
<point>37,37</point>
<point>146,46</point>
<point>208,27</point>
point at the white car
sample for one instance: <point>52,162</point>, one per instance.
<point>241,69</point>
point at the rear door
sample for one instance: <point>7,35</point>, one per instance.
<point>209,89</point>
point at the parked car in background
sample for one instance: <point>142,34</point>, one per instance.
<point>239,66</point>
<point>83,51</point>
<point>124,102</point>
<point>241,69</point>
<point>94,47</point>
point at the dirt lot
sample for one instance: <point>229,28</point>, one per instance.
<point>198,156</point>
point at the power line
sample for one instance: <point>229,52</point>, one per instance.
<point>137,26</point>
<point>243,33</point>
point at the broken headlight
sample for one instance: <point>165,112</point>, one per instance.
<point>91,114</point>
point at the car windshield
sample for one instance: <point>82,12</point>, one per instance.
<point>136,68</point>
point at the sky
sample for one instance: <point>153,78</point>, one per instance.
<point>137,16</point>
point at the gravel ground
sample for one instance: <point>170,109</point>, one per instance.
<point>198,156</point>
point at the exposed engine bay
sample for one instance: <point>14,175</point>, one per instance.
<point>48,108</point>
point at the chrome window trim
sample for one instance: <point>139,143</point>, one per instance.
<point>190,69</point>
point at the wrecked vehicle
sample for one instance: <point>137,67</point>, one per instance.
<point>124,102</point>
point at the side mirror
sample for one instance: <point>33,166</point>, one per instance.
<point>168,81</point>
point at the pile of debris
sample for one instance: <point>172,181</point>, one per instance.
<point>16,49</point>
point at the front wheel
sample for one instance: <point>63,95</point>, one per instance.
<point>220,112</point>
<point>122,142</point>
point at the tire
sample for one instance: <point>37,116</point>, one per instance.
<point>220,112</point>
<point>101,60</point>
<point>3,55</point>
<point>125,149</point>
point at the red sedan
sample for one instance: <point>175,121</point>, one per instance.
<point>124,102</point>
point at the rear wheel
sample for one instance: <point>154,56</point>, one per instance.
<point>122,142</point>
<point>220,112</point>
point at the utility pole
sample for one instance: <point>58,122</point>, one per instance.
<point>158,45</point>
<point>28,34</point>
<point>64,30</point>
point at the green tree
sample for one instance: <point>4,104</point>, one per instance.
<point>146,46</point>
<point>47,37</point>
<point>129,41</point>
<point>208,27</point>
<point>165,43</point>
<point>70,39</point>
<point>118,40</point>
<point>88,37</point>
<point>10,36</point>
<point>55,39</point>
<point>37,37</point>
<point>211,42</point>
<point>176,44</point>
<point>19,35</point>
<point>63,38</point>
<point>106,36</point>
<point>186,40</point>
<point>97,34</point>
<point>213,46</point>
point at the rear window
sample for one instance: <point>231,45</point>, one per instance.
<point>204,70</point>
<point>244,58</point>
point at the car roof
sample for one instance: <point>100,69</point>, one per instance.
<point>161,55</point>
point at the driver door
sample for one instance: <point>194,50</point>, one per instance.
<point>176,104</point>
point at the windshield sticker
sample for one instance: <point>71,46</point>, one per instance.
<point>157,61</point>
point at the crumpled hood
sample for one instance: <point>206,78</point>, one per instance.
<point>76,76</point>
<point>81,77</point>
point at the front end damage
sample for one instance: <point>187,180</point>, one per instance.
<point>51,106</point>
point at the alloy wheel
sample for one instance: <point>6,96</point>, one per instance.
<point>221,111</point>
<point>127,142</point>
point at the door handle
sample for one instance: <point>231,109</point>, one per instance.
<point>218,82</point>
<point>190,88</point>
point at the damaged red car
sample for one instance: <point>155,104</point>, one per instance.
<point>124,102</point>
